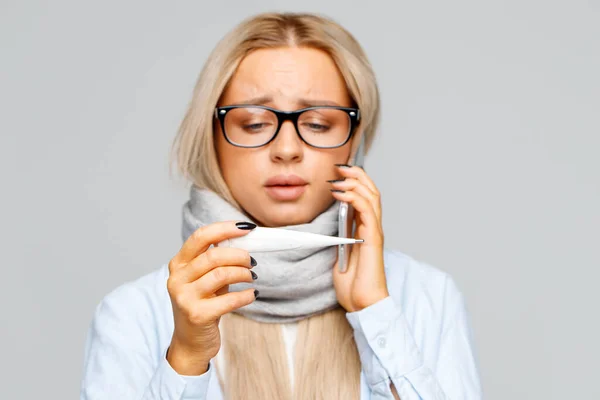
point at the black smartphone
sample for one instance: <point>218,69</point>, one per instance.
<point>346,223</point>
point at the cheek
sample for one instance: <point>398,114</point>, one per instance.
<point>238,166</point>
<point>226,155</point>
<point>232,165</point>
<point>323,164</point>
<point>323,169</point>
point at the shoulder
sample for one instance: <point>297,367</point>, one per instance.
<point>136,303</point>
<point>421,287</point>
<point>408,273</point>
<point>143,290</point>
<point>131,327</point>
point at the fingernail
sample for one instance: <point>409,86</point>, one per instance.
<point>256,292</point>
<point>254,276</point>
<point>245,225</point>
<point>253,261</point>
<point>336,180</point>
<point>343,165</point>
<point>337,191</point>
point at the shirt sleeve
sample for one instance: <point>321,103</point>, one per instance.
<point>119,361</point>
<point>389,354</point>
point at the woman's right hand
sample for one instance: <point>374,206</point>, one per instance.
<point>198,284</point>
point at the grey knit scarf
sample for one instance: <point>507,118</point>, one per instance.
<point>293,284</point>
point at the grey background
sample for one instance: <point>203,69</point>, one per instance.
<point>487,160</point>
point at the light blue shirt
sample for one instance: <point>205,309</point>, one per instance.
<point>419,338</point>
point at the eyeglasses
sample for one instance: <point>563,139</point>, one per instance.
<point>324,127</point>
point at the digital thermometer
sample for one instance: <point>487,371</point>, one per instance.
<point>277,239</point>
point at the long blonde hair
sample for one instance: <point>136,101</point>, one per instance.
<point>326,363</point>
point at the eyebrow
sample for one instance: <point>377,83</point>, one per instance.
<point>263,100</point>
<point>313,103</point>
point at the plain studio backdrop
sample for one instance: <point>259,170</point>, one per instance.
<point>487,160</point>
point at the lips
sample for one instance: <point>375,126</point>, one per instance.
<point>285,187</point>
<point>285,180</point>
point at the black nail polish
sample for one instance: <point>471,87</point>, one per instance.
<point>343,165</point>
<point>256,292</point>
<point>337,191</point>
<point>253,261</point>
<point>254,276</point>
<point>245,225</point>
<point>336,180</point>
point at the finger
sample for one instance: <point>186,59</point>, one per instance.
<point>203,237</point>
<point>360,204</point>
<point>223,290</point>
<point>231,301</point>
<point>209,284</point>
<point>358,173</point>
<point>357,186</point>
<point>213,258</point>
<point>348,171</point>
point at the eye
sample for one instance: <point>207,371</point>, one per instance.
<point>314,126</point>
<point>256,127</point>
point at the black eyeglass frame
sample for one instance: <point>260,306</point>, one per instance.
<point>282,116</point>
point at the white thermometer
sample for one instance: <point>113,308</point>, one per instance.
<point>277,239</point>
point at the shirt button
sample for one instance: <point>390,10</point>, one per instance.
<point>381,342</point>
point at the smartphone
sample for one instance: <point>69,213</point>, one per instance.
<point>346,224</point>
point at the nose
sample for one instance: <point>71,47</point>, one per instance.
<point>287,146</point>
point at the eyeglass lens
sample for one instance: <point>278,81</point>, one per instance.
<point>254,126</point>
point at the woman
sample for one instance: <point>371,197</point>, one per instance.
<point>216,322</point>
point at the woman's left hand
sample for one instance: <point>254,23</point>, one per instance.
<point>363,283</point>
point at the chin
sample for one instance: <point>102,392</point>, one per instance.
<point>287,213</point>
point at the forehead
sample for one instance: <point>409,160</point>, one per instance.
<point>287,75</point>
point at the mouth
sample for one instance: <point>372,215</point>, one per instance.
<point>285,192</point>
<point>285,187</point>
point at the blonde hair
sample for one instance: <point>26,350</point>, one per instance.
<point>327,365</point>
